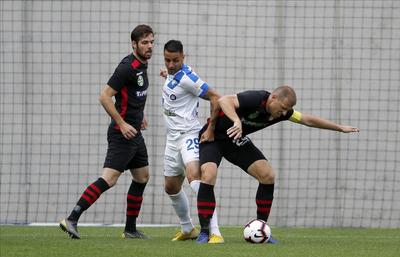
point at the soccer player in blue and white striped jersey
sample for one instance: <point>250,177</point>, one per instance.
<point>180,100</point>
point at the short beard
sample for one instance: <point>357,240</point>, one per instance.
<point>141,56</point>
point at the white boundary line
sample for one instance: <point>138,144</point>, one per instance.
<point>39,224</point>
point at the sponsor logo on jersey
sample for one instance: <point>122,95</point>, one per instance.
<point>140,94</point>
<point>169,113</point>
<point>140,81</point>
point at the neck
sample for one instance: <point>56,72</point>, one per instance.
<point>267,104</point>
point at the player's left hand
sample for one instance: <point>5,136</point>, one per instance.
<point>348,129</point>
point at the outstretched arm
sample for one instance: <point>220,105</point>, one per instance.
<point>316,122</point>
<point>213,96</point>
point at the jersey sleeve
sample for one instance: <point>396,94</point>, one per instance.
<point>192,83</point>
<point>119,79</point>
<point>250,99</point>
<point>295,117</point>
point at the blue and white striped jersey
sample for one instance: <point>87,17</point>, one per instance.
<point>180,101</point>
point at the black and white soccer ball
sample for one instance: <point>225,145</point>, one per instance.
<point>256,231</point>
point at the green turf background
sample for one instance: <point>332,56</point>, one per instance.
<point>106,241</point>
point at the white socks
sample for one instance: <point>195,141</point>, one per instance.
<point>214,229</point>
<point>180,203</point>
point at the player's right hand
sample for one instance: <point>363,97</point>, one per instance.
<point>128,131</point>
<point>235,131</point>
<point>348,129</point>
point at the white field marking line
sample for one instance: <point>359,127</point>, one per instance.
<point>38,224</point>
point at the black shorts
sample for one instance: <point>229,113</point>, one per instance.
<point>124,154</point>
<point>242,153</point>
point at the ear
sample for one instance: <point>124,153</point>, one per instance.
<point>134,45</point>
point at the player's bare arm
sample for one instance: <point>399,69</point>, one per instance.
<point>106,100</point>
<point>229,104</point>
<point>316,122</point>
<point>213,96</point>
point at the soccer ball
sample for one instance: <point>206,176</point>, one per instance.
<point>256,231</point>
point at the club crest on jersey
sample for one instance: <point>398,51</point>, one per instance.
<point>254,115</point>
<point>172,97</point>
<point>140,81</point>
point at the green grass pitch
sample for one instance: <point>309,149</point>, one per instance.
<point>106,241</point>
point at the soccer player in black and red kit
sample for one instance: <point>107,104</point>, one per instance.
<point>126,146</point>
<point>240,115</point>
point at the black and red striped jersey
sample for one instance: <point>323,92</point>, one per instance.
<point>131,81</point>
<point>252,113</point>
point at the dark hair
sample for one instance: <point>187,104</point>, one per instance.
<point>173,46</point>
<point>140,31</point>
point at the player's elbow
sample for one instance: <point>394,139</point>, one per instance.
<point>307,120</point>
<point>101,98</point>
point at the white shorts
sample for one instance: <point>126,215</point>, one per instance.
<point>179,152</point>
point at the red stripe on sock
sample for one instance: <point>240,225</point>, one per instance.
<point>93,195</point>
<point>135,198</point>
<point>264,210</point>
<point>132,213</point>
<point>263,201</point>
<point>88,199</point>
<point>95,188</point>
<point>134,205</point>
<point>205,211</point>
<point>208,204</point>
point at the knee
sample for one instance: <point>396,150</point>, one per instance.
<point>193,171</point>
<point>173,185</point>
<point>209,173</point>
<point>110,176</point>
<point>142,178</point>
<point>111,180</point>
<point>171,189</point>
<point>141,175</point>
<point>192,177</point>
<point>267,177</point>
<point>262,171</point>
